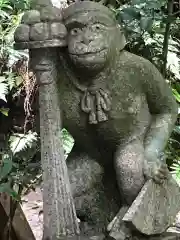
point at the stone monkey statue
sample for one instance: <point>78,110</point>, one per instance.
<point>116,105</point>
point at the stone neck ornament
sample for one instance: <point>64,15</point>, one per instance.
<point>96,102</point>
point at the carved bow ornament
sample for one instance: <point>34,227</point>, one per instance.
<point>96,103</point>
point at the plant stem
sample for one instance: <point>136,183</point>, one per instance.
<point>166,36</point>
<point>13,205</point>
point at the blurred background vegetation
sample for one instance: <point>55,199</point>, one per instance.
<point>152,29</point>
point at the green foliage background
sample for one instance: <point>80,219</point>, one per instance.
<point>152,29</point>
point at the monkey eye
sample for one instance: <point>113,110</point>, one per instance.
<point>97,26</point>
<point>75,31</point>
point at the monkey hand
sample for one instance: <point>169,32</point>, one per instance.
<point>160,172</point>
<point>155,168</point>
<point>41,28</point>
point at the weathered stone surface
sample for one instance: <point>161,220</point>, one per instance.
<point>59,211</point>
<point>155,208</point>
<point>60,218</point>
<point>41,28</point>
<point>39,31</point>
<point>40,34</point>
<point>40,44</point>
<point>22,33</point>
<point>31,17</point>
<point>58,30</point>
<point>118,108</point>
<point>51,14</point>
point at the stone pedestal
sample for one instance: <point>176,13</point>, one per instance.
<point>166,236</point>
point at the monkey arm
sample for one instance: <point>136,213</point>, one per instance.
<point>163,109</point>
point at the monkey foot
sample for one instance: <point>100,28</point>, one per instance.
<point>165,236</point>
<point>121,235</point>
<point>138,236</point>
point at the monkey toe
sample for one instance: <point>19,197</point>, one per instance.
<point>158,179</point>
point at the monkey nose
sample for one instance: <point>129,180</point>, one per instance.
<point>87,38</point>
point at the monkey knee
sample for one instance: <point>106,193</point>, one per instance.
<point>130,180</point>
<point>130,190</point>
<point>129,169</point>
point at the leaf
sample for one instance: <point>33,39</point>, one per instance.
<point>154,4</point>
<point>2,79</point>
<point>4,111</point>
<point>68,141</point>
<point>5,188</point>
<point>6,167</point>
<point>3,14</point>
<point>3,90</point>
<point>18,80</point>
<point>174,141</point>
<point>130,13</point>
<point>136,2</point>
<point>177,129</point>
<point>139,4</point>
<point>146,23</point>
<point>15,195</point>
<point>20,142</point>
<point>176,94</point>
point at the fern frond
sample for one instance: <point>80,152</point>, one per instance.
<point>3,89</point>
<point>11,80</point>
<point>20,142</point>
<point>68,141</point>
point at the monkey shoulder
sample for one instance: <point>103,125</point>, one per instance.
<point>134,74</point>
<point>145,75</point>
<point>137,66</point>
<point>129,102</point>
<point>129,76</point>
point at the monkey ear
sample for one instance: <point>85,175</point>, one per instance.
<point>121,37</point>
<point>122,41</point>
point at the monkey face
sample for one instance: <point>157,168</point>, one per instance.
<point>90,40</point>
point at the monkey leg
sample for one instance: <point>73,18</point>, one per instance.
<point>94,209</point>
<point>129,162</point>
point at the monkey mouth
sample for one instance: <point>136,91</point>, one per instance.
<point>91,53</point>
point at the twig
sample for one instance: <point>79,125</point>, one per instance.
<point>174,14</point>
